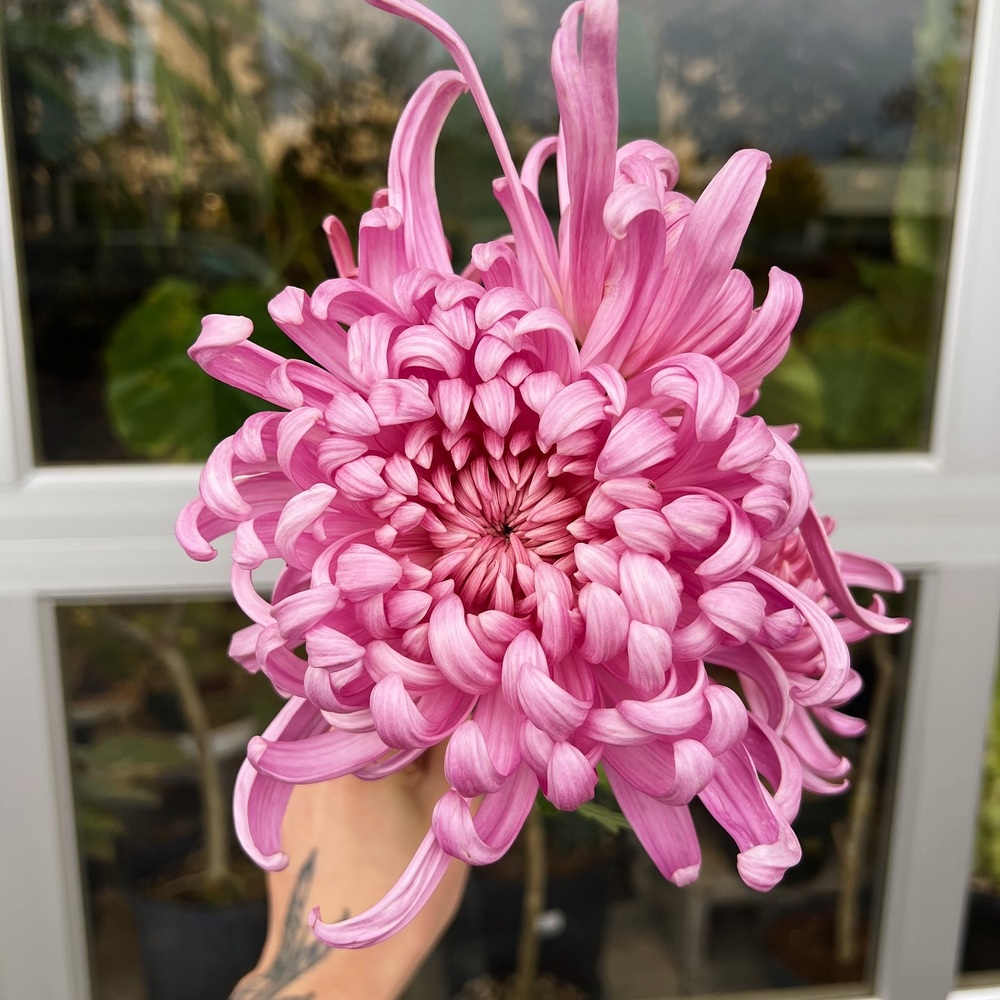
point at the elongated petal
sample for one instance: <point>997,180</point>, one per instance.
<point>667,832</point>
<point>396,909</point>
<point>768,847</point>
<point>259,801</point>
<point>411,169</point>
<point>584,75</point>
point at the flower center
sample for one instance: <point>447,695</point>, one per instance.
<point>494,515</point>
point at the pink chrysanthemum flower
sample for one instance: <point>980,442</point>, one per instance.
<point>520,508</point>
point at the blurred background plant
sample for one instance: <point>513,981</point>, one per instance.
<point>156,710</point>
<point>986,873</point>
<point>176,158</point>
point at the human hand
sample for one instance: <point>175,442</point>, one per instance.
<point>348,841</point>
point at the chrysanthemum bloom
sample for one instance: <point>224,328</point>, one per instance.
<point>521,507</point>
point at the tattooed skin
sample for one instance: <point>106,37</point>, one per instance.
<point>298,952</point>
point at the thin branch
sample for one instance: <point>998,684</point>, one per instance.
<point>535,879</point>
<point>862,810</point>
<point>213,798</point>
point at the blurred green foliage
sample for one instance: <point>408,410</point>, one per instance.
<point>196,154</point>
<point>987,859</point>
<point>123,713</point>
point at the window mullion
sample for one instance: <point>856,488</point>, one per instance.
<point>16,451</point>
<point>967,405</point>
<point>43,954</point>
<point>947,701</point>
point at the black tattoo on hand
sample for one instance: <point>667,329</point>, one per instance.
<point>298,952</point>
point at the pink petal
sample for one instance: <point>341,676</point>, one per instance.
<point>457,49</point>
<point>698,383</point>
<point>673,772</point>
<point>259,802</point>
<point>649,656</point>
<point>467,762</point>
<point>404,724</point>
<point>588,118</point>
<point>381,249</point>
<point>455,650</point>
<point>640,440</point>
<point>768,847</point>
<point>737,608</point>
<point>827,567</point>
<point>411,169</point>
<point>340,247</point>
<point>665,831</point>
<point>364,571</point>
<point>494,402</point>
<point>322,340</point>
<point>384,660</point>
<point>671,714</point>
<point>314,758</point>
<point>549,707</point>
<point>606,622</point>
<point>400,401</point>
<point>396,909</point>
<point>485,838</point>
<point>222,351</point>
<point>570,777</point>
<point>712,236</point>
<point>649,591</point>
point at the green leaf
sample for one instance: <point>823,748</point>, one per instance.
<point>162,405</point>
<point>793,394</point>
<point>605,816</point>
<point>146,753</point>
<point>97,830</point>
<point>873,390</point>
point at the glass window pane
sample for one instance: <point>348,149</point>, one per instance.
<point>614,928</point>
<point>980,959</point>
<point>159,719</point>
<point>140,681</point>
<point>176,158</point>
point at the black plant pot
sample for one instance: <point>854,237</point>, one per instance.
<point>982,933</point>
<point>197,953</point>
<point>483,939</point>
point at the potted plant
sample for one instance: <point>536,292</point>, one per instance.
<point>182,715</point>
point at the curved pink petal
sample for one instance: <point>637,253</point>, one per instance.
<point>259,801</point>
<point>411,169</point>
<point>665,831</point>
<point>584,73</point>
<point>486,837</point>
<point>735,797</point>
<point>396,909</point>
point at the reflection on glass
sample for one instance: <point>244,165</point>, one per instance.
<point>176,158</point>
<point>614,928</point>
<point>158,721</point>
<point>981,951</point>
<point>159,718</point>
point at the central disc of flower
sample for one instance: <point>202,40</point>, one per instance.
<point>494,515</point>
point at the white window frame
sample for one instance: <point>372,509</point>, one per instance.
<point>106,532</point>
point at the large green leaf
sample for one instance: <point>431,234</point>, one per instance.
<point>162,405</point>
<point>873,390</point>
<point>793,394</point>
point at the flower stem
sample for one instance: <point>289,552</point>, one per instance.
<point>535,879</point>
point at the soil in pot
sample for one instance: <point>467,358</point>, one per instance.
<point>196,944</point>
<point>803,953</point>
